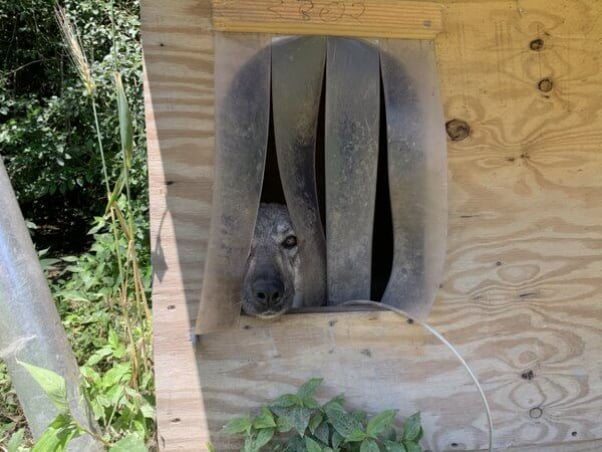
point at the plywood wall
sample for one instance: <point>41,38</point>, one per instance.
<point>521,297</point>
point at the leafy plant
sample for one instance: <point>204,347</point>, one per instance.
<point>45,118</point>
<point>73,135</point>
<point>298,423</point>
<point>11,415</point>
<point>65,427</point>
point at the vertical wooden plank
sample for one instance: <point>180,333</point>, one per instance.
<point>178,64</point>
<point>351,157</point>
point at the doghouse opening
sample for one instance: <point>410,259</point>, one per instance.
<point>382,239</point>
<point>348,134</point>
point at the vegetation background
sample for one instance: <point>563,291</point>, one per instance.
<point>98,269</point>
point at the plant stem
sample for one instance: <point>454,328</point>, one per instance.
<point>100,147</point>
<point>105,173</point>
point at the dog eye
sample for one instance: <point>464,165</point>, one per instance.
<point>290,242</point>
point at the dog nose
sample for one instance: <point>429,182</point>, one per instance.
<point>268,293</point>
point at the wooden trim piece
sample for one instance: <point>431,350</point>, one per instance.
<point>367,18</point>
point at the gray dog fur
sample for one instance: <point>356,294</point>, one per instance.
<point>272,282</point>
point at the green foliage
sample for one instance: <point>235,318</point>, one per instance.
<point>49,140</point>
<point>10,411</point>
<point>15,441</point>
<point>64,428</point>
<point>131,443</point>
<point>46,125</point>
<point>53,385</point>
<point>323,428</point>
<point>58,434</point>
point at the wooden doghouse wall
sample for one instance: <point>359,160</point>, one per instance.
<point>521,296</point>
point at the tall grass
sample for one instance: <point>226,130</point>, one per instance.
<point>121,215</point>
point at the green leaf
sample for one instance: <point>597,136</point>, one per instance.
<point>381,422</point>
<point>49,441</point>
<point>309,389</point>
<point>238,425</point>
<point>98,356</point>
<point>356,435</point>
<point>300,419</point>
<point>295,444</point>
<point>361,416</point>
<point>249,445</point>
<point>15,441</point>
<point>69,258</point>
<point>335,401</point>
<point>411,446</point>
<point>117,191</point>
<point>130,443</point>
<point>315,421</point>
<point>343,422</point>
<point>392,446</point>
<point>52,384</point>
<point>369,445</point>
<point>310,402</point>
<point>412,430</point>
<point>284,424</point>
<point>323,433</point>
<point>390,434</point>
<point>125,122</point>
<point>311,445</point>
<point>58,434</point>
<point>264,420</point>
<point>10,425</point>
<point>48,263</point>
<point>147,410</point>
<point>287,401</point>
<point>263,437</point>
<point>113,339</point>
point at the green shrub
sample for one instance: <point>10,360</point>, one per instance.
<point>48,141</point>
<point>47,135</point>
<point>297,423</point>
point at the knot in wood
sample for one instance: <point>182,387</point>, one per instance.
<point>536,45</point>
<point>545,85</point>
<point>457,129</point>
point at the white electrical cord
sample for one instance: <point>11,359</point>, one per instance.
<point>439,336</point>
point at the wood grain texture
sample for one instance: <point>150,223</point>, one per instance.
<point>367,18</point>
<point>577,446</point>
<point>522,286</point>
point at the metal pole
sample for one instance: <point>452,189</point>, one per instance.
<point>30,327</point>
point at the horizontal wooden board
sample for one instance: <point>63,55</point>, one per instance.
<point>367,18</point>
<point>577,446</point>
<point>521,293</point>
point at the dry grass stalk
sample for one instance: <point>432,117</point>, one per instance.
<point>75,47</point>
